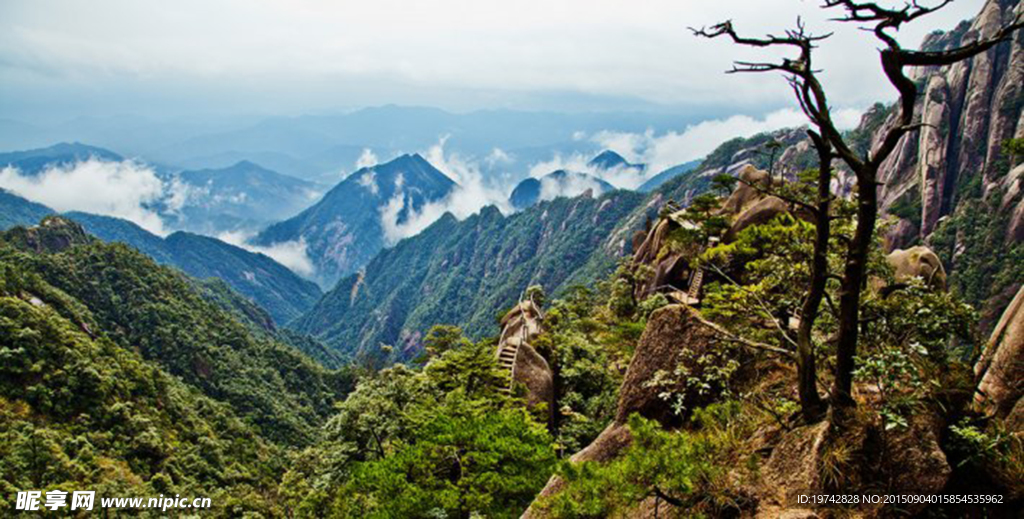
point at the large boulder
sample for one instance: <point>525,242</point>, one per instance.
<point>1000,370</point>
<point>674,337</point>
<point>794,466</point>
<point>914,458</point>
<point>826,458</point>
<point>918,262</point>
<point>533,372</point>
<point>606,447</point>
<point>746,193</point>
<point>759,213</point>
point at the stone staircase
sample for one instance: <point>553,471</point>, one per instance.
<point>695,285</point>
<point>519,327</point>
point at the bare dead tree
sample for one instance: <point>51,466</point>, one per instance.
<point>810,94</point>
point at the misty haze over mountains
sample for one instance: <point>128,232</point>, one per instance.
<point>243,180</point>
<point>325,147</point>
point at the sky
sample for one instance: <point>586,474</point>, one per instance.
<point>66,58</point>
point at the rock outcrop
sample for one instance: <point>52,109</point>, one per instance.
<point>918,262</point>
<point>824,459</point>
<point>671,270</point>
<point>53,234</point>
<point>746,193</point>
<point>747,205</point>
<point>673,338</point>
<point>1000,370</point>
<point>520,326</point>
<point>759,213</point>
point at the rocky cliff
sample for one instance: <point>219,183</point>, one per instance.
<point>953,185</point>
<point>970,108</point>
<point>1000,370</point>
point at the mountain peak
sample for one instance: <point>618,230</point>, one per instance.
<point>344,230</point>
<point>246,164</point>
<point>411,169</point>
<point>53,234</point>
<point>557,183</point>
<point>609,159</point>
<point>60,154</point>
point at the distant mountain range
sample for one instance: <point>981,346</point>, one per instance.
<point>346,228</point>
<point>324,147</point>
<point>339,232</point>
<point>560,183</point>
<point>609,160</point>
<point>280,291</point>
<point>243,196</point>
<point>657,180</point>
<point>32,162</point>
<point>466,272</point>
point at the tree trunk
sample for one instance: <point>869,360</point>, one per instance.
<point>854,278</point>
<point>807,374</point>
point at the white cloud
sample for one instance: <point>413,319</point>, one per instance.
<point>620,177</point>
<point>660,152</point>
<point>471,194</point>
<point>847,118</point>
<point>498,156</point>
<point>368,179</point>
<point>663,151</point>
<point>292,254</point>
<point>311,52</point>
<point>569,186</point>
<point>367,159</point>
<point>121,189</point>
<point>179,194</point>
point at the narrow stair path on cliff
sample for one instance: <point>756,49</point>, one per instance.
<point>519,326</point>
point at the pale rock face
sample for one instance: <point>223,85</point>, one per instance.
<point>969,108</point>
<point>1000,370</point>
<point>932,151</point>
<point>745,194</point>
<point>520,326</point>
<point>918,262</point>
<point>1014,181</point>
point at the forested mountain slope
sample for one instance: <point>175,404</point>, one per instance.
<point>345,229</point>
<point>464,273</point>
<point>15,210</point>
<point>277,289</point>
<point>273,286</point>
<point>140,306</point>
<point>80,409</point>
